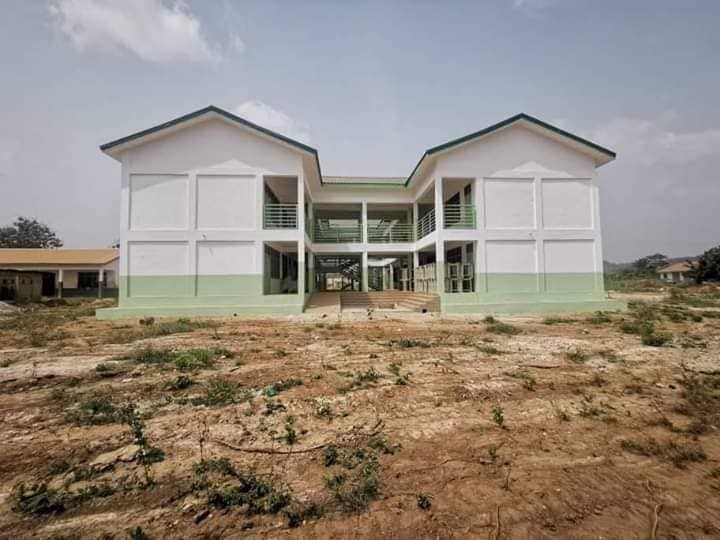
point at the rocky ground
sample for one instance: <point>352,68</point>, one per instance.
<point>390,426</point>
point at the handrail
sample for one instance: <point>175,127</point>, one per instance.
<point>395,232</point>
<point>426,224</point>
<point>336,235</point>
<point>459,216</point>
<point>280,216</point>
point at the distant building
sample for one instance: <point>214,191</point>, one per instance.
<point>20,286</point>
<point>676,272</point>
<point>64,272</point>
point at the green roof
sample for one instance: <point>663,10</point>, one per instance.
<point>305,148</point>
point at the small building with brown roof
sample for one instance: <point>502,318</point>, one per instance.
<point>65,272</point>
<point>676,272</point>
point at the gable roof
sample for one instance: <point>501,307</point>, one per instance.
<point>604,154</point>
<point>521,117</point>
<point>10,257</point>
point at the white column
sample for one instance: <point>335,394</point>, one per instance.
<point>100,280</point>
<point>439,223</point>
<point>415,218</point>
<point>440,266</point>
<point>364,222</point>
<point>364,277</point>
<point>301,236</point>
<point>59,282</point>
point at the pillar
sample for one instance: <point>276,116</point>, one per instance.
<point>59,283</point>
<point>364,224</point>
<point>364,272</point>
<point>440,266</point>
<point>439,205</point>
<point>301,238</point>
<point>415,219</point>
<point>100,282</point>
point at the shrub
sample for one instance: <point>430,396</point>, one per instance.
<point>220,392</point>
<point>283,384</point>
<point>498,415</point>
<point>655,340</point>
<point>362,380</point>
<point>423,501</point>
<point>97,410</point>
<point>499,327</point>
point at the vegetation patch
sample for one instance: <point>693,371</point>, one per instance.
<point>220,392</point>
<point>364,379</point>
<point>498,327</point>
<point>96,410</point>
<point>669,451</point>
<point>275,388</point>
<point>407,343</point>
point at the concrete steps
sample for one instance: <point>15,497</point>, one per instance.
<point>400,300</point>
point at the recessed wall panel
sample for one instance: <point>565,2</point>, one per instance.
<point>227,269</point>
<point>511,266</point>
<point>570,265</point>
<point>509,204</point>
<point>226,202</point>
<point>567,204</point>
<point>159,269</point>
<point>158,202</point>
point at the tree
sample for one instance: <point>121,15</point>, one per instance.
<point>708,266</point>
<point>650,263</point>
<point>28,233</point>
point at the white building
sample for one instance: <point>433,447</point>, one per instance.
<point>221,216</point>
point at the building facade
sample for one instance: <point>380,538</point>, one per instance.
<point>220,216</point>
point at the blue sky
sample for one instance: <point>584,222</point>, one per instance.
<point>371,85</point>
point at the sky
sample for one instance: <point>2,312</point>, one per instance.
<point>371,85</point>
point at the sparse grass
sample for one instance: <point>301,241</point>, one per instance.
<point>364,379</point>
<point>490,350</point>
<point>528,379</point>
<point>200,358</point>
<point>275,388</point>
<point>552,320</point>
<point>96,410</point>
<point>669,451</point>
<point>423,501</point>
<point>220,392</point>
<point>181,382</point>
<point>599,317</point>
<point>498,416</point>
<point>400,378</point>
<point>148,328</point>
<point>655,339</point>
<point>590,409</point>
<point>407,343</point>
<point>498,327</point>
<point>40,499</point>
<point>577,355</point>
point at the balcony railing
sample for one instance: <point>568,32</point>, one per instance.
<point>334,234</point>
<point>280,216</point>
<point>386,234</point>
<point>459,216</point>
<point>426,224</point>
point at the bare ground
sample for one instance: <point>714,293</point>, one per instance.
<point>601,435</point>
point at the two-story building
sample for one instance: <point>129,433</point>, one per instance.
<point>220,216</point>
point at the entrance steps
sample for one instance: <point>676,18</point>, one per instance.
<point>400,300</point>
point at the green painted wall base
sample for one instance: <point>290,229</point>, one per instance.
<point>537,306</point>
<point>135,312</point>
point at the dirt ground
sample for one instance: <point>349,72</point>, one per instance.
<point>380,426</point>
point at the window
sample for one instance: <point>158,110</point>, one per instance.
<point>87,280</point>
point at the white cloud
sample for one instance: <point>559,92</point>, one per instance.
<point>264,115</point>
<point>651,141</point>
<point>532,5</point>
<point>153,30</point>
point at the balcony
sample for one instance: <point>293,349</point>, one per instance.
<point>426,224</point>
<point>459,216</point>
<point>336,231</point>
<point>280,216</point>
<point>390,233</point>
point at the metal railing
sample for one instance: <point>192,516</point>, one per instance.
<point>426,224</point>
<point>280,216</point>
<point>324,234</point>
<point>459,216</point>
<point>385,234</point>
